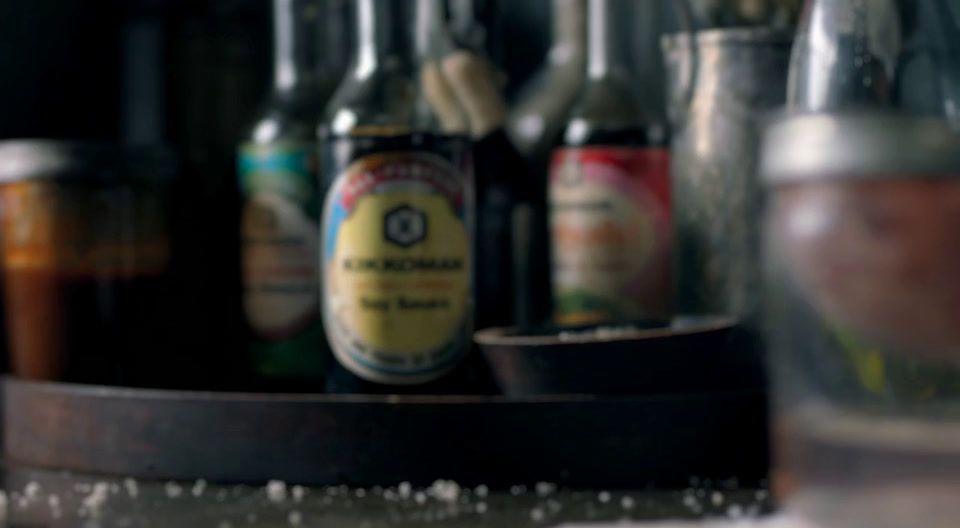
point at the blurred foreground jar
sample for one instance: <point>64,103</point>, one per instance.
<point>864,314</point>
<point>85,254</point>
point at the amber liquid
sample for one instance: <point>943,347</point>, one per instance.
<point>89,329</point>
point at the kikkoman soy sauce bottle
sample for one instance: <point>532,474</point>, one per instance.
<point>278,179</point>
<point>397,219</point>
<point>609,193</point>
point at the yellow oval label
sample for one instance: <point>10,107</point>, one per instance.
<point>397,267</point>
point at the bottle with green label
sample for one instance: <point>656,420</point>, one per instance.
<point>278,181</point>
<point>397,219</point>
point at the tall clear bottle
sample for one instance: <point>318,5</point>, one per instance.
<point>610,193</point>
<point>397,219</point>
<point>277,176</point>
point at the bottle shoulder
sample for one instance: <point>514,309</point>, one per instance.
<point>289,116</point>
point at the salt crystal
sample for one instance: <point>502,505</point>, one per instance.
<point>83,487</point>
<point>420,497</point>
<point>481,507</point>
<point>199,487</point>
<point>545,488</point>
<point>360,493</point>
<point>389,495</point>
<point>735,511</point>
<point>22,503</point>
<point>276,491</point>
<point>132,488</point>
<point>173,490</point>
<point>298,493</point>
<point>114,488</point>
<point>537,514</point>
<point>31,491</point>
<point>716,498</point>
<point>404,488</point>
<point>604,497</point>
<point>54,502</point>
<point>627,503</point>
<point>221,495</point>
<point>295,518</point>
<point>554,506</point>
<point>762,495</point>
<point>445,490</point>
<point>690,501</point>
<point>481,491</point>
<point>92,504</point>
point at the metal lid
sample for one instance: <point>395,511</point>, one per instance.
<point>822,147</point>
<point>49,159</point>
<point>728,36</point>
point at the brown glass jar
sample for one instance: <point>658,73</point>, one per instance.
<point>85,258</point>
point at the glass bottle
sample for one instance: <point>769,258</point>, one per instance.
<point>538,118</point>
<point>277,174</point>
<point>610,194</point>
<point>893,54</point>
<point>397,219</point>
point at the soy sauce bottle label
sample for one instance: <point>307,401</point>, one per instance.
<point>280,247</point>
<point>397,267</point>
<point>610,223</point>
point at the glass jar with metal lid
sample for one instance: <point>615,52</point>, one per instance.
<point>85,256</point>
<point>863,307</point>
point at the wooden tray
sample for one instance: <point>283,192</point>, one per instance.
<point>367,441</point>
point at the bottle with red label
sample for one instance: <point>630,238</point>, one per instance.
<point>609,193</point>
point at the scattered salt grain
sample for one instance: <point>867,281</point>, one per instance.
<point>716,498</point>
<point>537,514</point>
<point>627,503</point>
<point>404,489</point>
<point>481,507</point>
<point>517,490</point>
<point>132,488</point>
<point>604,497</point>
<point>298,493</point>
<point>295,518</point>
<point>420,497</point>
<point>445,491</point>
<point>92,504</point>
<point>221,495</point>
<point>360,493</point>
<point>31,491</point>
<point>114,488</point>
<point>481,491</point>
<point>198,488</point>
<point>762,495</point>
<point>735,511</point>
<point>173,490</point>
<point>545,488</point>
<point>276,491</point>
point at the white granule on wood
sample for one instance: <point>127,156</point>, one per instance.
<point>360,493</point>
<point>133,489</point>
<point>295,518</point>
<point>604,497</point>
<point>276,491</point>
<point>31,491</point>
<point>546,488</point>
<point>735,511</point>
<point>481,491</point>
<point>298,493</point>
<point>627,503</point>
<point>716,498</point>
<point>537,514</point>
<point>404,489</point>
<point>92,504</point>
<point>173,490</point>
<point>420,497</point>
<point>481,507</point>
<point>198,488</point>
<point>445,491</point>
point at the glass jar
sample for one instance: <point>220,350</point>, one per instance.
<point>863,307</point>
<point>85,257</point>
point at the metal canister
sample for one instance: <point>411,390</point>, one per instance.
<point>721,83</point>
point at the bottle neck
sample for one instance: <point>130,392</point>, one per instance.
<point>603,40</point>
<point>296,32</point>
<point>569,31</point>
<point>383,35</point>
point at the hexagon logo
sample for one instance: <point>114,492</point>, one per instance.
<point>405,226</point>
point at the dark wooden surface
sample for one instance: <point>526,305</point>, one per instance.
<point>363,441</point>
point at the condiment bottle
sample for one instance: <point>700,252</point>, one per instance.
<point>610,195</point>
<point>278,179</point>
<point>397,221</point>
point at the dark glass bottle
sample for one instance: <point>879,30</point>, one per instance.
<point>610,193</point>
<point>277,172</point>
<point>397,220</point>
